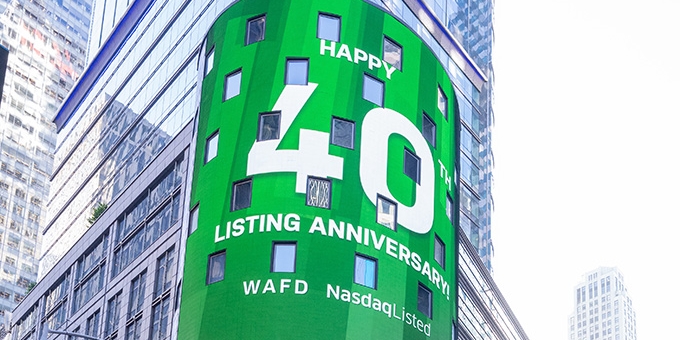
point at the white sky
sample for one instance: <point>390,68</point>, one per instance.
<point>587,154</point>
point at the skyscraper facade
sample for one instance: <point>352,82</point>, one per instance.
<point>47,42</point>
<point>602,308</point>
<point>121,214</point>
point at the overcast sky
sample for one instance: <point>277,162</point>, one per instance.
<point>587,154</point>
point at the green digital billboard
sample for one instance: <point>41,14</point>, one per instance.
<point>323,185</point>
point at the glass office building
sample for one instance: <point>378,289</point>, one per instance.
<point>47,42</point>
<point>118,217</point>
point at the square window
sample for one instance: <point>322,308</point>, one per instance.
<point>270,123</point>
<point>424,300</point>
<point>255,30</point>
<point>429,130</point>
<point>439,250</point>
<point>373,90</point>
<point>209,61</point>
<point>193,220</point>
<point>211,146</point>
<point>216,264</point>
<point>392,53</point>
<point>297,71</point>
<point>241,195</point>
<point>232,85</point>
<point>365,271</point>
<point>442,102</point>
<point>387,212</point>
<point>283,257</point>
<point>411,165</point>
<point>318,192</point>
<point>342,133</point>
<point>328,27</point>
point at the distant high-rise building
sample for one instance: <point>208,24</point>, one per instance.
<point>47,43</point>
<point>602,308</point>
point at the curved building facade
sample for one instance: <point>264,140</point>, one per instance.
<point>323,187</point>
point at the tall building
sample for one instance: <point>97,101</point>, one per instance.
<point>184,175</point>
<point>602,308</point>
<point>47,42</point>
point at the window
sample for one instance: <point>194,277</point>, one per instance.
<point>318,192</point>
<point>424,300</point>
<point>137,288</point>
<point>165,266</point>
<point>439,251</point>
<point>442,102</point>
<point>297,71</point>
<point>328,27</point>
<point>283,257</point>
<point>269,125</point>
<point>342,133</point>
<point>255,30</point>
<point>232,85</point>
<point>160,316</point>
<point>449,207</point>
<point>112,314</point>
<point>211,146</point>
<point>429,130</point>
<point>193,219</point>
<point>216,263</point>
<point>365,270</point>
<point>411,165</point>
<point>209,61</point>
<point>241,195</point>
<point>373,90</point>
<point>392,53</point>
<point>387,212</point>
<point>92,324</point>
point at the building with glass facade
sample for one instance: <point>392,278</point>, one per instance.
<point>131,144</point>
<point>47,42</point>
<point>602,308</point>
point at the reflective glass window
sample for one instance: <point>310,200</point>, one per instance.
<point>328,27</point>
<point>211,146</point>
<point>449,207</point>
<point>386,212</point>
<point>283,257</point>
<point>429,130</point>
<point>297,71</point>
<point>193,220</point>
<point>318,192</point>
<point>392,53</point>
<point>439,251</point>
<point>269,126</point>
<point>255,30</point>
<point>442,102</point>
<point>232,85</point>
<point>241,195</point>
<point>424,300</point>
<point>373,90</point>
<point>365,271</point>
<point>342,133</point>
<point>209,61</point>
<point>216,263</point>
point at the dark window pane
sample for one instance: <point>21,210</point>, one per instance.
<point>241,195</point>
<point>269,126</point>
<point>429,130</point>
<point>392,53</point>
<point>424,300</point>
<point>318,192</point>
<point>216,267</point>
<point>411,166</point>
<point>342,133</point>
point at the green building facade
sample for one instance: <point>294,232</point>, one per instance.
<point>323,187</point>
